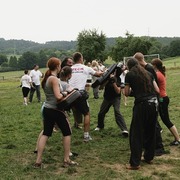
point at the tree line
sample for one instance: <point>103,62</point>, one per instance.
<point>90,43</point>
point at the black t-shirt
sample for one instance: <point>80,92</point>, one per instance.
<point>138,88</point>
<point>109,92</point>
<point>150,69</point>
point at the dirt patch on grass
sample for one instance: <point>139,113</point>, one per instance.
<point>163,166</point>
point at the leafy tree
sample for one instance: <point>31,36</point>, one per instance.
<point>3,59</point>
<point>91,44</point>
<point>27,60</point>
<point>53,54</point>
<point>13,62</point>
<point>165,52</point>
<point>4,64</point>
<point>174,48</point>
<point>156,47</point>
<point>128,46</point>
<point>42,58</point>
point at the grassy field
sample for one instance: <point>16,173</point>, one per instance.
<point>103,158</point>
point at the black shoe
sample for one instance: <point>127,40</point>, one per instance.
<point>160,152</point>
<point>175,143</point>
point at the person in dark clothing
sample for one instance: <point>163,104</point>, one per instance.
<point>141,84</point>
<point>112,97</point>
<point>159,144</point>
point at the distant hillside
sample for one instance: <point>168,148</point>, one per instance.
<point>14,46</point>
<point>165,41</point>
<point>21,46</point>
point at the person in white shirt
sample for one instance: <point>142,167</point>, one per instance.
<point>101,66</point>
<point>26,84</point>
<point>96,89</point>
<point>35,75</point>
<point>80,73</point>
<point>122,76</point>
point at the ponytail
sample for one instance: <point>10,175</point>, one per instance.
<point>47,74</point>
<point>52,64</point>
<point>159,65</point>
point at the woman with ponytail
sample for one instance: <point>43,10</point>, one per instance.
<point>164,100</point>
<point>52,89</point>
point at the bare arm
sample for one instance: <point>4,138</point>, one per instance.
<point>127,90</point>
<point>98,73</point>
<point>55,85</point>
<point>116,88</point>
<point>156,86</point>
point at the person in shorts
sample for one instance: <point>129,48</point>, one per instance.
<point>80,73</point>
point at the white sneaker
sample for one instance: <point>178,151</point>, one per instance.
<point>97,129</point>
<point>125,133</point>
<point>86,139</point>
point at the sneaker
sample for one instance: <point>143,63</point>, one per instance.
<point>160,152</point>
<point>73,154</point>
<point>86,139</point>
<point>175,143</point>
<point>97,129</point>
<point>125,133</point>
<point>70,163</point>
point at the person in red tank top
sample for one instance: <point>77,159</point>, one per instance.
<point>164,100</point>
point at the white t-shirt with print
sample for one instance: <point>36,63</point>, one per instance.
<point>80,74</point>
<point>36,75</point>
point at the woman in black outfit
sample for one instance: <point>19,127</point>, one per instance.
<point>141,84</point>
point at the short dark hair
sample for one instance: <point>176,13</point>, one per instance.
<point>25,71</point>
<point>77,56</point>
<point>35,66</point>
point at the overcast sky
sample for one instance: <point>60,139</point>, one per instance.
<point>55,20</point>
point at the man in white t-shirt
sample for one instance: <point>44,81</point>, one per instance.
<point>35,75</point>
<point>80,73</point>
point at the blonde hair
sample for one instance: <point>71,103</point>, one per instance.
<point>94,63</point>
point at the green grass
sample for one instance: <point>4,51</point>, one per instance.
<point>103,158</point>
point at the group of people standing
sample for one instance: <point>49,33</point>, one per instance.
<point>54,92</point>
<point>145,82</point>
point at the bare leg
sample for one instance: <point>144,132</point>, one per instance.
<point>40,134</point>
<point>66,145</point>
<point>25,100</point>
<point>87,122</point>
<point>41,145</point>
<point>175,133</point>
